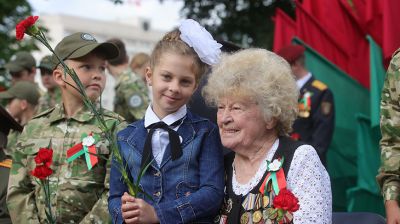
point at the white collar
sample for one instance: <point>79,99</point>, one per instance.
<point>150,117</point>
<point>300,82</point>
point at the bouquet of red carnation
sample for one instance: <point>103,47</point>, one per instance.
<point>42,171</point>
<point>285,202</point>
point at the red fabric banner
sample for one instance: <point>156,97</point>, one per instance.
<point>336,36</point>
<point>391,28</point>
<point>285,30</point>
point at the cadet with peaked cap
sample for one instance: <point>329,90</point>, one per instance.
<point>131,92</point>
<point>316,118</point>
<point>22,66</point>
<point>53,94</point>
<point>79,189</point>
<point>7,124</point>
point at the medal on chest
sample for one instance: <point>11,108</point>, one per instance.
<point>304,105</point>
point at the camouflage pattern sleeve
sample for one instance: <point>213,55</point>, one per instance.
<point>11,143</point>
<point>389,172</point>
<point>132,98</point>
<point>21,192</point>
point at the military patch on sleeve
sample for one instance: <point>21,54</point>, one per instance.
<point>135,101</point>
<point>326,108</point>
<point>319,85</point>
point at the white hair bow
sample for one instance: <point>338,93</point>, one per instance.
<point>201,41</point>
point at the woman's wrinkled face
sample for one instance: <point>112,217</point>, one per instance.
<point>241,123</point>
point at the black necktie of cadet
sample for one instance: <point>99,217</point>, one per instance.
<point>176,151</point>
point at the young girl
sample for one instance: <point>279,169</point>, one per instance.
<point>186,177</point>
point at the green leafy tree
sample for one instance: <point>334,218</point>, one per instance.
<point>11,12</point>
<point>244,22</point>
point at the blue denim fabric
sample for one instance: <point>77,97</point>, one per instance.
<point>189,189</point>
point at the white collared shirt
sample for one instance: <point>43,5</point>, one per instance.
<point>300,82</point>
<point>160,138</point>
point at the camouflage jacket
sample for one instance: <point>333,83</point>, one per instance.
<point>47,100</point>
<point>11,143</point>
<point>78,195</point>
<point>389,172</point>
<point>131,96</point>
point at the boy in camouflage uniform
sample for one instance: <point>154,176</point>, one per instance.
<point>78,195</point>
<point>389,172</point>
<point>131,93</point>
<point>53,94</point>
<point>22,100</point>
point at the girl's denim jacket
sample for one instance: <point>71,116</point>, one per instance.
<point>189,189</point>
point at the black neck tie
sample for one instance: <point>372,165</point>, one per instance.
<point>176,151</point>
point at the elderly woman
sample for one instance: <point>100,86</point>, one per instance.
<point>270,178</point>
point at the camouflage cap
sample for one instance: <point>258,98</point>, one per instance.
<point>46,63</point>
<point>80,44</point>
<point>22,90</point>
<point>20,61</point>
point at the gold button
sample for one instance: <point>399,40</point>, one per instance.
<point>157,174</point>
<point>157,194</point>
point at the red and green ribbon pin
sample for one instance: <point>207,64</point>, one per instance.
<point>87,147</point>
<point>276,176</point>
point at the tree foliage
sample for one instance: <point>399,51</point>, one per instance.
<point>244,22</point>
<point>11,12</point>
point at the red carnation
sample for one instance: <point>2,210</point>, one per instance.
<point>44,157</point>
<point>41,172</point>
<point>286,200</point>
<point>24,25</point>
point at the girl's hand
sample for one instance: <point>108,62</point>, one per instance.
<point>136,210</point>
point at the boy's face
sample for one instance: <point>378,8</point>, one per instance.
<point>47,79</point>
<point>173,83</point>
<point>90,69</point>
<point>16,108</point>
<point>24,75</point>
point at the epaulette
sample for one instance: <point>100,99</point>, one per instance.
<point>319,85</point>
<point>43,113</point>
<point>6,163</point>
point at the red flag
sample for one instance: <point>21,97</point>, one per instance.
<point>285,30</point>
<point>336,36</point>
<point>391,28</point>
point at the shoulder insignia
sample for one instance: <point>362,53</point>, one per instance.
<point>319,85</point>
<point>43,113</point>
<point>326,108</point>
<point>6,163</point>
<point>135,101</point>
